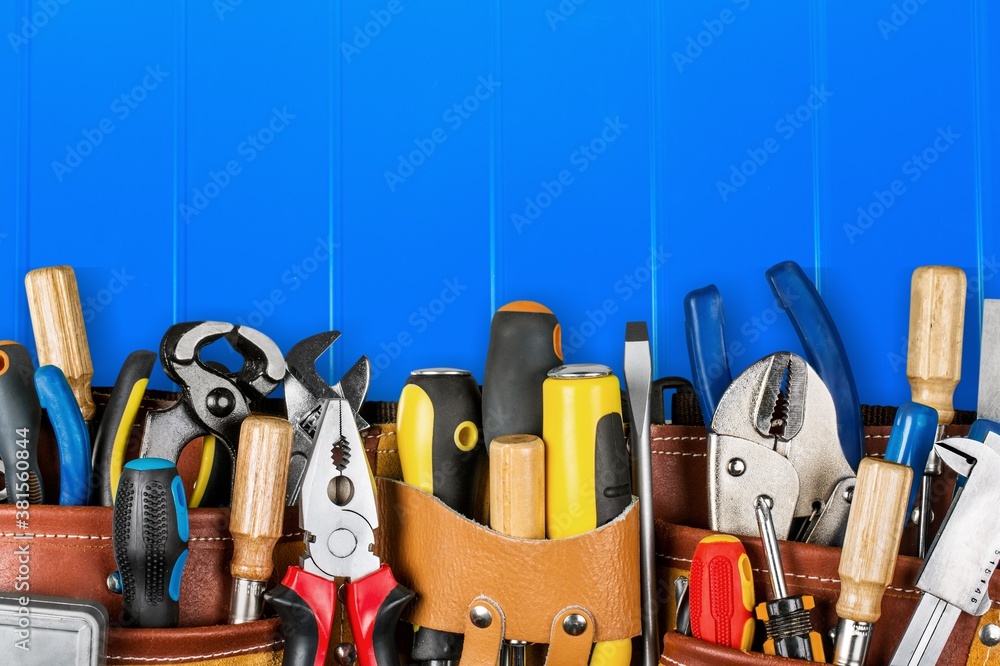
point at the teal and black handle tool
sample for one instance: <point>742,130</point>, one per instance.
<point>150,535</point>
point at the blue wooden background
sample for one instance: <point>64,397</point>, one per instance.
<point>397,169</point>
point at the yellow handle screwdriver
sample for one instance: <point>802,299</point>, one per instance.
<point>587,465</point>
<point>438,433</point>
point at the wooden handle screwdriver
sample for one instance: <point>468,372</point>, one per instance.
<point>934,360</point>
<point>60,335</point>
<point>517,502</point>
<point>874,530</point>
<point>257,512</point>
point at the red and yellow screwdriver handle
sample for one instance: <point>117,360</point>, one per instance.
<point>307,603</point>
<point>721,593</point>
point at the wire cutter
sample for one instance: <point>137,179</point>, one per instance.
<point>338,515</point>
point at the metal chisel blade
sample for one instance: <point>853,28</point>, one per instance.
<point>927,633</point>
<point>988,406</point>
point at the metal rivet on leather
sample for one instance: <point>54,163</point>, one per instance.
<point>575,624</point>
<point>115,582</point>
<point>481,616</point>
<point>345,654</point>
<point>989,635</point>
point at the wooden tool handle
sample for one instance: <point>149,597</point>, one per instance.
<point>60,336</point>
<point>871,542</point>
<point>517,486</point>
<point>259,494</point>
<point>937,321</point>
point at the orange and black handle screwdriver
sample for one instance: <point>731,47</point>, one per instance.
<point>588,472</point>
<point>789,629</point>
<point>525,343</point>
<point>720,593</point>
<point>438,433</point>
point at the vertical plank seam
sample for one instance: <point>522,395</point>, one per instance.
<point>979,54</point>
<point>655,108</point>
<point>335,167</point>
<point>179,282</point>
<point>22,192</point>
<point>818,71</point>
<point>496,166</point>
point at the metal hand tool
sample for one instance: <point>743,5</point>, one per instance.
<point>587,468</point>
<point>116,424</point>
<point>525,343</point>
<point>213,402</point>
<point>704,325</point>
<point>438,434</point>
<point>934,362</point>
<point>824,351</point>
<point>720,593</point>
<point>874,530</point>
<point>988,405</point>
<point>257,512</point>
<point>816,331</point>
<point>638,380</point>
<point>517,501</point>
<point>681,595</point>
<point>72,437</point>
<point>305,393</point>
<point>60,335</point>
<point>19,426</point>
<point>339,517</point>
<point>955,576</point>
<point>775,433</point>
<point>789,629</point>
<point>150,535</point>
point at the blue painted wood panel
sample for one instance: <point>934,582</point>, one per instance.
<point>398,170</point>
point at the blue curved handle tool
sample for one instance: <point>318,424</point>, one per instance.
<point>704,322</point>
<point>72,437</point>
<point>913,435</point>
<point>824,351</point>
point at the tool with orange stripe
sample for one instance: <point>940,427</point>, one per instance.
<point>525,343</point>
<point>720,593</point>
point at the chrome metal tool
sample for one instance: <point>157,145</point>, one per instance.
<point>955,577</point>
<point>774,433</point>
<point>638,379</point>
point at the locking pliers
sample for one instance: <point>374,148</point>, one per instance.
<point>774,433</point>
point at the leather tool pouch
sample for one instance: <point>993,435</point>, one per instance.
<point>680,458</point>
<point>528,587</point>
